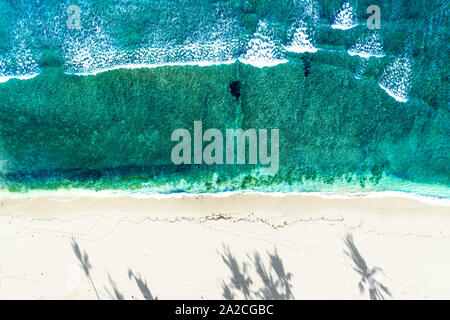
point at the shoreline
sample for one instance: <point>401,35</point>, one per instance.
<point>144,194</point>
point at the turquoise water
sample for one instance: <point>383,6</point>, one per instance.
<point>357,109</point>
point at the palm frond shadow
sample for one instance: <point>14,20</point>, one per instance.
<point>142,285</point>
<point>114,292</point>
<point>276,281</point>
<point>239,280</point>
<point>376,289</point>
<point>83,258</point>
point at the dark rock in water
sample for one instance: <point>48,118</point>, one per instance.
<point>235,89</point>
<point>306,64</point>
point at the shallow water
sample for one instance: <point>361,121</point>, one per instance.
<point>356,109</point>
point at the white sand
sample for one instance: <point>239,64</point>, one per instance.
<point>176,245</point>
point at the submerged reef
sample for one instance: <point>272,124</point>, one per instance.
<point>353,106</point>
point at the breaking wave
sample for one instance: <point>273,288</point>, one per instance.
<point>368,46</point>
<point>345,18</point>
<point>302,40</point>
<point>201,34</point>
<point>396,78</point>
<point>263,50</point>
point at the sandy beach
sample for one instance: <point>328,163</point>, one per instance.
<point>302,246</point>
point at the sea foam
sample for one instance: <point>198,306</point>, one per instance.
<point>345,18</point>
<point>262,50</point>
<point>301,40</point>
<point>396,79</point>
<point>368,46</point>
<point>19,62</point>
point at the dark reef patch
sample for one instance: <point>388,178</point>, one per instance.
<point>235,89</point>
<point>306,65</point>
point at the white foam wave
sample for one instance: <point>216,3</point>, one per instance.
<point>262,49</point>
<point>365,55</point>
<point>301,41</point>
<point>261,62</point>
<point>368,46</point>
<point>19,62</point>
<point>69,195</point>
<point>345,18</point>
<point>87,57</point>
<point>393,94</point>
<point>4,79</point>
<point>93,50</point>
<point>89,49</point>
<point>396,78</point>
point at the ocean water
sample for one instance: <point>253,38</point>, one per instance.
<point>91,91</point>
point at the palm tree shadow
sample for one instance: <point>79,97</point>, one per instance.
<point>276,287</point>
<point>116,295</point>
<point>238,280</point>
<point>83,258</point>
<point>276,282</point>
<point>142,285</point>
<point>376,289</point>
